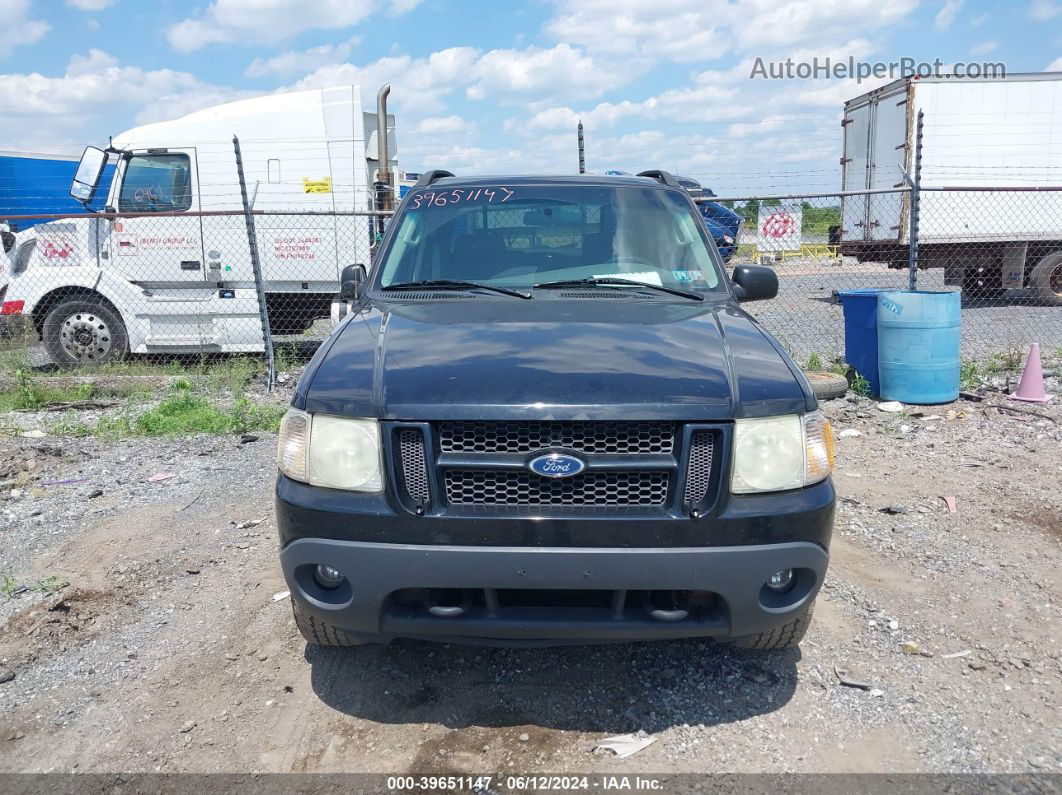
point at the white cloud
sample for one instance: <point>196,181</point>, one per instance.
<point>419,85</point>
<point>1055,65</point>
<point>678,30</point>
<point>271,21</point>
<point>562,70</point>
<point>984,48</point>
<point>979,20</point>
<point>703,30</point>
<point>1044,10</point>
<point>90,5</point>
<point>767,23</point>
<point>444,125</point>
<point>81,104</point>
<point>292,62</point>
<point>947,14</point>
<point>18,28</point>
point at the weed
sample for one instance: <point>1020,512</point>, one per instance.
<point>838,366</point>
<point>861,386</point>
<point>814,363</point>
<point>50,585</point>
<point>9,586</point>
<point>969,375</point>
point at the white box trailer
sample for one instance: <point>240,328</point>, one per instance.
<point>999,133</point>
<point>182,281</point>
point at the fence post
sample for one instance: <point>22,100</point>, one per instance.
<point>916,184</point>
<point>256,267</point>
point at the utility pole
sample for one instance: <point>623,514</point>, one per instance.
<point>582,158</point>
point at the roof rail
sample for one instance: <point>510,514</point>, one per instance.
<point>661,176</point>
<point>428,177</point>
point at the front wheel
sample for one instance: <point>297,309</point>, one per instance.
<point>319,632</point>
<point>784,637</point>
<point>1046,279</point>
<point>83,331</point>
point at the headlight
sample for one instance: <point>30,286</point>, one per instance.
<point>334,452</point>
<point>780,453</point>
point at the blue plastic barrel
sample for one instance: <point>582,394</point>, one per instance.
<point>861,332</point>
<point>918,346</point>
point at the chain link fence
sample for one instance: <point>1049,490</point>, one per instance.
<point>1002,248</point>
<point>159,288</point>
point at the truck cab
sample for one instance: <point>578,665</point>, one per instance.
<point>546,419</point>
<point>166,266</point>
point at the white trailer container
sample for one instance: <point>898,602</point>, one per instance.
<point>182,281</point>
<point>1001,133</point>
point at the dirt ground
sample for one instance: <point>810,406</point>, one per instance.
<point>168,649</point>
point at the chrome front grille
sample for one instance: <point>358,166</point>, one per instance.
<point>627,489</point>
<point>581,436</point>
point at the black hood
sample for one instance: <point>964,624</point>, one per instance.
<point>501,358</point>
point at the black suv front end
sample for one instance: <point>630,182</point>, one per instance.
<point>464,464</point>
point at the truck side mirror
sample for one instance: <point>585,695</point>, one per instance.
<point>754,283</point>
<point>351,282</point>
<point>87,176</point>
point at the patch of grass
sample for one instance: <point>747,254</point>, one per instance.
<point>31,394</point>
<point>969,375</point>
<point>8,586</point>
<point>814,363</point>
<point>184,412</point>
<point>861,386</point>
<point>50,585</point>
<point>1009,361</point>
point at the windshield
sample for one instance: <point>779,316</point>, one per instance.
<point>519,236</point>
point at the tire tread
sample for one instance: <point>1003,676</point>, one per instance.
<point>787,636</point>
<point>320,632</point>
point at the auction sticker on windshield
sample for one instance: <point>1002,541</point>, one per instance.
<point>497,195</point>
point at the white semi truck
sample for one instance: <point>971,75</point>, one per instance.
<point>998,133</point>
<point>170,277</point>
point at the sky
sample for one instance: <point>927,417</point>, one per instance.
<point>498,87</point>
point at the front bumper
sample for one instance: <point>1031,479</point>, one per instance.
<point>380,600</point>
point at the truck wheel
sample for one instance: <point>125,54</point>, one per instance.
<point>84,332</point>
<point>785,637</point>
<point>1046,279</point>
<point>314,630</point>
<point>827,386</point>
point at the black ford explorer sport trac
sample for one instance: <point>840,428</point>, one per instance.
<point>546,419</point>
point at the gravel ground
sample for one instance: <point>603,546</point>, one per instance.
<point>166,650</point>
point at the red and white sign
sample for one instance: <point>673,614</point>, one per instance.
<point>778,227</point>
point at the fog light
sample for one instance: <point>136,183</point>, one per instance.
<point>327,577</point>
<point>781,581</point>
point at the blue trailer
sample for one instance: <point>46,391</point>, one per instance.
<point>34,183</point>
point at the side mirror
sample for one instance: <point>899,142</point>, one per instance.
<point>87,176</point>
<point>754,283</point>
<point>8,239</point>
<point>352,282</point>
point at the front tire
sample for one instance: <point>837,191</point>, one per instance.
<point>784,637</point>
<point>319,632</point>
<point>1046,279</point>
<point>84,332</point>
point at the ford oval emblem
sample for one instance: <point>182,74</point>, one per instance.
<point>556,465</point>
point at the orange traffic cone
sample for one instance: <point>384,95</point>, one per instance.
<point>1031,387</point>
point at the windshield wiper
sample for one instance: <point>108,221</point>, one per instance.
<point>612,280</point>
<point>454,284</point>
